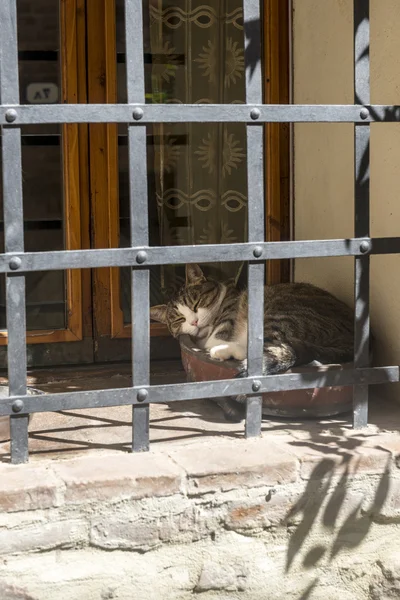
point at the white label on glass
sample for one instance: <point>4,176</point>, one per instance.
<point>42,93</point>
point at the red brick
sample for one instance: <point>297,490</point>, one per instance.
<point>233,464</point>
<point>260,513</point>
<point>113,477</point>
<point>28,487</point>
<point>330,460</point>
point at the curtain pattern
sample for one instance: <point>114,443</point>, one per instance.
<point>200,169</point>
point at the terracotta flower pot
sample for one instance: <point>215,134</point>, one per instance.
<point>311,403</point>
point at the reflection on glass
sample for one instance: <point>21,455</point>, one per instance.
<point>194,53</point>
<point>39,79</point>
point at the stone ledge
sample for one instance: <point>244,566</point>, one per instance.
<point>193,470</point>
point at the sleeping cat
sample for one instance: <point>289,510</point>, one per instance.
<point>302,324</point>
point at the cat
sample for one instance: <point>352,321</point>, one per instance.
<point>302,324</point>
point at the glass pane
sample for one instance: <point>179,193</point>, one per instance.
<point>197,172</point>
<point>42,163</point>
<point>39,55</point>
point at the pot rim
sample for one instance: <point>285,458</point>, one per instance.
<point>189,347</point>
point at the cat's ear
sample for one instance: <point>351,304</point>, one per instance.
<point>159,313</point>
<point>194,274</point>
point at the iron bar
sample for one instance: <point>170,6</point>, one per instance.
<point>138,202</point>
<point>174,255</point>
<point>196,113</point>
<point>361,209</point>
<point>255,211</point>
<point>13,230</point>
<point>195,391</point>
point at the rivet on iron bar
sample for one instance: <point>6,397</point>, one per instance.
<point>141,257</point>
<point>17,406</point>
<point>364,113</point>
<point>365,247</point>
<point>137,114</point>
<point>255,114</point>
<point>257,252</point>
<point>11,115</point>
<point>15,263</point>
<point>142,395</point>
<point>256,386</point>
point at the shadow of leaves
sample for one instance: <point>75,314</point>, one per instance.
<point>309,505</point>
<point>307,593</point>
<point>356,527</point>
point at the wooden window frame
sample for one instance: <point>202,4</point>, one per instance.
<point>73,164</point>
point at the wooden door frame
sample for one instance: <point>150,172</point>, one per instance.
<point>103,160</point>
<point>276,33</point>
<point>102,88</point>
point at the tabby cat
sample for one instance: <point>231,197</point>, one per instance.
<point>302,324</point>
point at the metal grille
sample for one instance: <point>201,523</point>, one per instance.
<point>15,263</point>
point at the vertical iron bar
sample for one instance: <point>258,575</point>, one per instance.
<point>140,282</point>
<point>255,187</point>
<point>13,228</point>
<point>362,208</point>
<point>138,218</point>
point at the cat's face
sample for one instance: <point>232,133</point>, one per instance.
<point>194,308</point>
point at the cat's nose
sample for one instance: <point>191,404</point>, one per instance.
<point>195,322</point>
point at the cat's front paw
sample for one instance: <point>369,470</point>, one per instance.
<point>227,351</point>
<point>221,352</point>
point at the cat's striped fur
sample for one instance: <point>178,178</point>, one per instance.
<point>302,323</point>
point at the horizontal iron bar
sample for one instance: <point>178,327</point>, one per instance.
<point>192,113</point>
<point>175,255</point>
<point>390,245</point>
<point>196,391</point>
